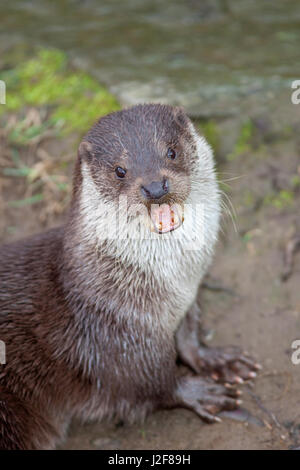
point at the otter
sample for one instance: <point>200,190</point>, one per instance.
<point>94,314</point>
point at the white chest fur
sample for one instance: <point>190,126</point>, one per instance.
<point>167,259</point>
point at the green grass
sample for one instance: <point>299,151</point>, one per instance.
<point>243,143</point>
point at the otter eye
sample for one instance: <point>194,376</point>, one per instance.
<point>171,154</point>
<point>120,172</point>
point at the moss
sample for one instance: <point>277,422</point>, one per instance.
<point>75,99</point>
<point>295,181</point>
<point>243,143</point>
<point>280,200</point>
<point>247,237</point>
<point>211,132</point>
<point>248,199</point>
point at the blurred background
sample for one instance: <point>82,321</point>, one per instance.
<point>231,65</point>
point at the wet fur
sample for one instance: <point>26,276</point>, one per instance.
<point>89,321</point>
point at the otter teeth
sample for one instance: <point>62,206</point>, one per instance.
<point>166,218</point>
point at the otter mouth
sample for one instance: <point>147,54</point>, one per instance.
<point>166,218</point>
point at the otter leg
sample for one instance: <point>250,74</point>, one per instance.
<point>21,427</point>
<point>205,397</point>
<point>229,364</point>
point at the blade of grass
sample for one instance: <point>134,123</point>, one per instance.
<point>27,201</point>
<point>16,171</point>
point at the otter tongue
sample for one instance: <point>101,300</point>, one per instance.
<point>165,218</point>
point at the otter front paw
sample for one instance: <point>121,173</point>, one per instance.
<point>205,397</point>
<point>228,364</point>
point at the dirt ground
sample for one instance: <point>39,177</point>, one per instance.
<point>245,302</point>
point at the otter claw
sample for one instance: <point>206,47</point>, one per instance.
<point>228,365</point>
<point>205,397</point>
<point>239,380</point>
<point>252,375</point>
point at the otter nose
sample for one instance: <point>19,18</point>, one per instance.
<point>156,189</point>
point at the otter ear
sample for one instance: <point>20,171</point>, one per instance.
<point>85,150</point>
<point>180,117</point>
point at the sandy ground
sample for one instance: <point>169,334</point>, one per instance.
<point>253,308</point>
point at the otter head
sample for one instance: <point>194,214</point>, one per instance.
<point>149,154</point>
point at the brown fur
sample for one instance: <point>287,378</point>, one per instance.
<point>64,358</point>
<point>77,345</point>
